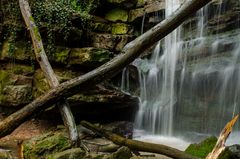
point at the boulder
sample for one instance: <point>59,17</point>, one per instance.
<point>120,28</point>
<point>75,153</point>
<point>117,15</point>
<point>15,89</point>
<point>89,57</point>
<point>109,41</point>
<point>203,148</point>
<point>44,145</point>
<point>123,3</point>
<point>149,8</point>
<point>5,154</point>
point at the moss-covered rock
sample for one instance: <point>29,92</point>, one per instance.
<point>17,50</point>
<point>203,148</point>
<point>5,154</point>
<point>116,15</point>
<point>121,153</point>
<point>40,147</point>
<point>75,153</point>
<point>109,41</point>
<point>120,28</point>
<point>61,55</point>
<point>101,27</point>
<point>89,57</point>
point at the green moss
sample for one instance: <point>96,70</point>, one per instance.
<point>61,55</point>
<point>44,145</point>
<point>102,27</point>
<point>3,80</point>
<point>202,149</point>
<point>100,55</point>
<point>40,84</point>
<point>117,15</point>
<point>119,28</point>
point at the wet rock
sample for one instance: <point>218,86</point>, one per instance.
<point>235,150</point>
<point>75,153</point>
<point>117,15</point>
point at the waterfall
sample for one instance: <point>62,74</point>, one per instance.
<point>158,83</point>
<point>191,83</point>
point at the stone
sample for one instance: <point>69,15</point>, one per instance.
<point>110,41</point>
<point>123,128</point>
<point>89,57</point>
<point>117,15</point>
<point>75,153</point>
<point>5,154</point>
<point>121,153</point>
<point>123,3</point>
<point>16,95</point>
<point>46,144</point>
<point>18,50</point>
<point>101,27</point>
<point>61,55</point>
<point>150,8</point>
<point>120,28</point>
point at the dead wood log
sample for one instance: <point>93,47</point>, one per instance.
<point>220,145</point>
<point>46,67</point>
<point>131,51</point>
<point>138,145</point>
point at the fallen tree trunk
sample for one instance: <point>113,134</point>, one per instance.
<point>131,51</point>
<point>138,145</point>
<point>46,67</point>
<point>220,145</point>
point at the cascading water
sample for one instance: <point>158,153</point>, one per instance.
<point>191,84</point>
<point>157,85</point>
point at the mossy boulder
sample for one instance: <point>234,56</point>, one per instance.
<point>101,27</point>
<point>17,50</point>
<point>121,153</point>
<point>61,55</point>
<point>75,153</point>
<point>110,41</point>
<point>203,148</point>
<point>42,146</point>
<point>120,28</point>
<point>15,89</point>
<point>116,15</point>
<point>4,154</point>
<point>89,57</point>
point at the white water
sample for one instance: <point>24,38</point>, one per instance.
<point>190,97</point>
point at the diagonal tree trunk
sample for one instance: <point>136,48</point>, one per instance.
<point>42,59</point>
<point>131,51</point>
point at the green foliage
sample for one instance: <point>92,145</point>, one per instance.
<point>52,15</point>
